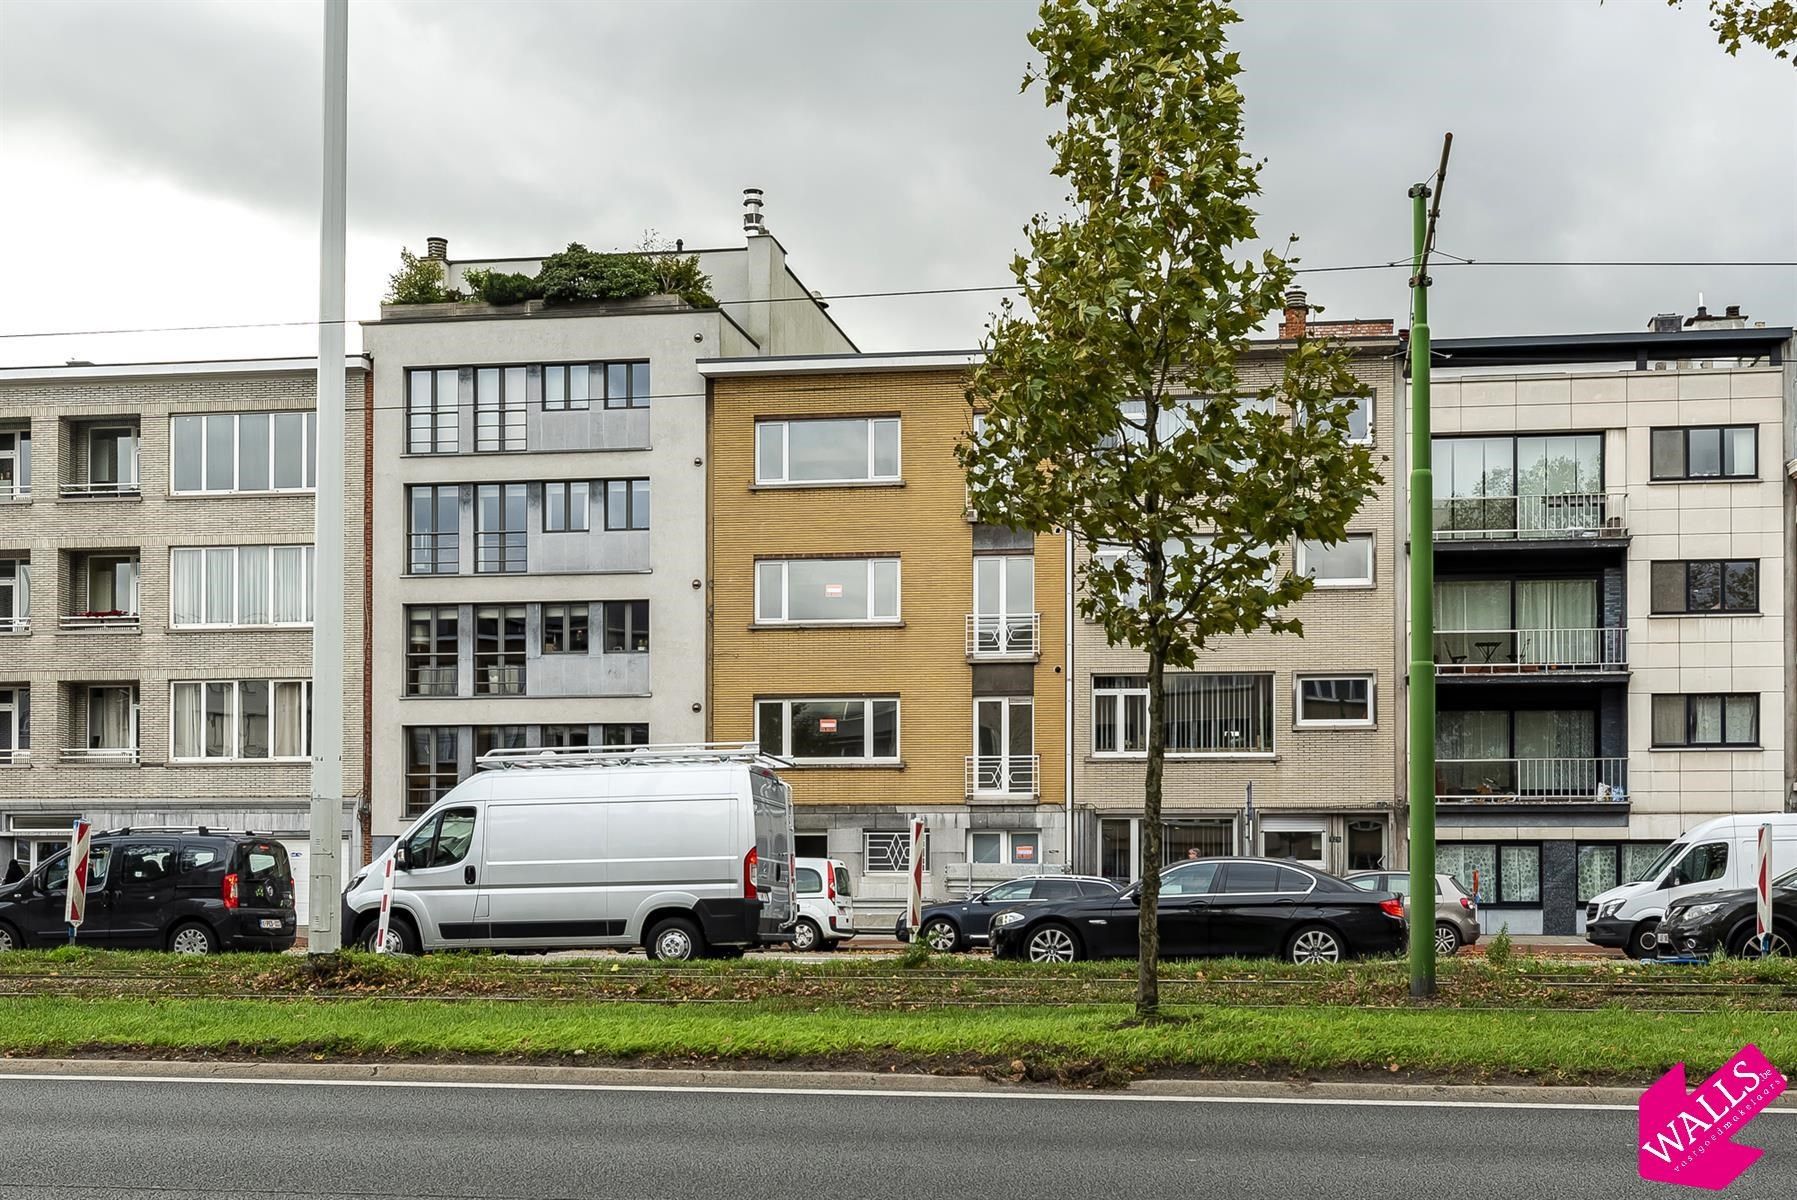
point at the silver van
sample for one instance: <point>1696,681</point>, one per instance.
<point>683,850</point>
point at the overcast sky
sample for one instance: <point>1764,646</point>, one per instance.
<point>161,159</point>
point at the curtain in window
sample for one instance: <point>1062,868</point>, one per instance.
<point>187,720</point>
<point>290,606</point>
<point>220,587</point>
<point>1556,748</point>
<point>290,719</point>
<point>252,585</point>
<point>1473,749</point>
<point>1470,615</point>
<point>1464,861</point>
<point>186,569</point>
<point>1597,870</point>
<point>1521,874</point>
<point>109,719</point>
<point>1559,617</point>
<point>1637,857</point>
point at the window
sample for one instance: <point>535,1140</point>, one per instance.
<point>1604,865</point>
<point>1205,714</point>
<point>626,627</point>
<point>1345,564</point>
<point>577,385</point>
<point>1120,714</point>
<point>998,848</point>
<point>112,458</point>
<point>565,628</point>
<point>842,450</point>
<point>1360,421</point>
<point>1194,880</point>
<point>627,504</point>
<point>111,585</point>
<point>1004,746</point>
<point>433,651</point>
<point>1325,700</point>
<point>1701,864</point>
<point>1706,452</point>
<point>488,738</point>
<point>627,385</point>
<point>565,507</point>
<point>112,718</point>
<point>567,387</point>
<point>243,452</point>
<point>1249,878</point>
<point>222,586</point>
<point>1534,486</point>
<point>617,734</point>
<point>432,765</point>
<point>1508,873</point>
<point>829,730</point>
<point>1703,720</point>
<point>15,463</point>
<point>808,881</point>
<point>1004,604</point>
<point>436,530</point>
<point>241,719</point>
<point>891,852</point>
<point>1305,845</point>
<point>432,421</point>
<point>499,400</point>
<point>15,595</point>
<point>1695,586</point>
<point>500,543</point>
<point>564,737</point>
<point>826,590</point>
<point>499,651</point>
<point>15,722</point>
<point>442,841</point>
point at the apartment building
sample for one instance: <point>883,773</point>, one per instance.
<point>538,514</point>
<point>156,599</point>
<point>1276,744</point>
<point>908,660</point>
<point>1612,566</point>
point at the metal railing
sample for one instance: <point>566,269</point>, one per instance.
<point>1509,780</point>
<point>14,757</point>
<point>433,553</point>
<point>99,491</point>
<point>15,624</point>
<point>1502,518</point>
<point>665,752</point>
<point>1002,774</point>
<point>117,755</point>
<point>1526,651</point>
<point>1004,635</point>
<point>118,621</point>
<point>9,492</point>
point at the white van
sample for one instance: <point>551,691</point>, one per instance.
<point>683,850</point>
<point>1716,856</point>
<point>826,914</point>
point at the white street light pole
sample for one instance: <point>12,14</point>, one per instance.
<point>323,935</point>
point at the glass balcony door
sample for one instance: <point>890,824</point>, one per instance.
<point>1004,603</point>
<point>1004,744</point>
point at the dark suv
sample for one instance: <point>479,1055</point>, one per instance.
<point>193,892</point>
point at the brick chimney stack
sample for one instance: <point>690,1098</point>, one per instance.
<point>1297,311</point>
<point>436,248</point>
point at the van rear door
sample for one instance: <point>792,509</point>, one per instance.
<point>773,851</point>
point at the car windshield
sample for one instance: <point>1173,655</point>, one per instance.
<point>1654,869</point>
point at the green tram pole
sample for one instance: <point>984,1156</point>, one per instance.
<point>1422,601</point>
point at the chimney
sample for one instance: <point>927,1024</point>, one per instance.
<point>1296,311</point>
<point>752,222</point>
<point>1665,323</point>
<point>1731,318</point>
<point>436,249</point>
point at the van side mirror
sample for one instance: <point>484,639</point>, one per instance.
<point>1134,895</point>
<point>402,858</point>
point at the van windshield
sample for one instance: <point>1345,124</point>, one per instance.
<point>1659,865</point>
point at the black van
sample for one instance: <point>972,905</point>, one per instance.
<point>195,892</point>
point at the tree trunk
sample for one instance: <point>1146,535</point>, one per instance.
<point>1148,964</point>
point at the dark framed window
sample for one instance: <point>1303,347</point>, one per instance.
<point>565,628</point>
<point>626,626</point>
<point>567,387</point>
<point>624,733</point>
<point>1508,874</point>
<point>1604,865</point>
<point>500,543</point>
<point>433,765</point>
<point>432,420</point>
<point>627,504</point>
<point>627,385</point>
<point>499,400</point>
<point>436,527</point>
<point>488,738</point>
<point>566,736</point>
<point>574,386</point>
<point>499,651</point>
<point>1705,585</point>
<point>1706,452</point>
<point>1698,720</point>
<point>565,507</point>
<point>432,651</point>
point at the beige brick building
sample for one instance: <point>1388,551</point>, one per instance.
<point>156,537</point>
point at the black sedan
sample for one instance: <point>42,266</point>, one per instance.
<point>1215,906</point>
<point>1698,926</point>
<point>963,924</point>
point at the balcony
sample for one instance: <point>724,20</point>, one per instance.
<point>115,756</point>
<point>1531,781</point>
<point>14,625</point>
<point>15,757</point>
<point>101,460</point>
<point>1002,775</point>
<point>1004,636</point>
<point>1572,516</point>
<point>99,491</point>
<point>114,622</point>
<point>1550,652</point>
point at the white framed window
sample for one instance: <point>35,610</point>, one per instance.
<point>1204,714</point>
<point>239,720</point>
<point>1347,563</point>
<point>830,729</point>
<point>1333,701</point>
<point>827,450</point>
<point>1360,422</point>
<point>221,587</point>
<point>826,590</point>
<point>15,721</point>
<point>243,452</point>
<point>998,848</point>
<point>1120,714</point>
<point>885,853</point>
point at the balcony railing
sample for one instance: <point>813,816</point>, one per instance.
<point>117,621</point>
<point>99,491</point>
<point>103,755</point>
<point>1506,518</point>
<point>1004,635</point>
<point>1002,774</point>
<point>1531,780</point>
<point>1529,651</point>
<point>10,492</point>
<point>11,757</point>
<point>15,625</point>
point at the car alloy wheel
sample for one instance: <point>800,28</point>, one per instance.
<point>940,936</point>
<point>1316,946</point>
<point>1447,940</point>
<point>1780,948</point>
<point>6,942</point>
<point>805,936</point>
<point>1052,944</point>
<point>191,939</point>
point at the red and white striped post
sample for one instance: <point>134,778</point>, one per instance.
<point>1762,890</point>
<point>380,937</point>
<point>74,910</point>
<point>914,905</point>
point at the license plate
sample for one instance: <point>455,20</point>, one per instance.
<point>1665,939</point>
<point>271,922</point>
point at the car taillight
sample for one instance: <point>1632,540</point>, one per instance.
<point>1466,903</point>
<point>829,881</point>
<point>749,861</point>
<point>228,890</point>
<point>1392,908</point>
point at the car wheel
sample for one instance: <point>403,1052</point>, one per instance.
<point>1315,944</point>
<point>674,939</point>
<point>806,935</point>
<point>1052,943</point>
<point>193,938</point>
<point>8,939</point>
<point>1642,943</point>
<point>1447,939</point>
<point>401,937</point>
<point>940,935</point>
<point>1746,944</point>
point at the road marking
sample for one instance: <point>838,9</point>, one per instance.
<point>902,1093</point>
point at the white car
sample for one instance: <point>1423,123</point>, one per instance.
<point>821,895</point>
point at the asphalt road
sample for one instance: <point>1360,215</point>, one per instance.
<point>102,1138</point>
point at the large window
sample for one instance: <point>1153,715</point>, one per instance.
<point>1706,721</point>
<point>626,627</point>
<point>617,734</point>
<point>1504,873</point>
<point>1530,486</point>
<point>1534,621</point>
<point>565,507</point>
<point>499,403</point>
<point>1205,714</point>
<point>241,719</point>
<point>1706,452</point>
<point>112,718</point>
<point>488,738</point>
<point>15,595</point>
<point>499,651</point>
<point>1004,604</point>
<point>436,529</point>
<point>112,458</point>
<point>15,463</point>
<point>565,628</point>
<point>826,590</point>
<point>224,586</point>
<point>243,452</point>
<point>15,721</point>
<point>1348,563</point>
<point>432,765</point>
<point>837,450</point>
<point>112,585</point>
<point>1526,752</point>
<point>626,503</point>
<point>1334,700</point>
<point>500,542</point>
<point>432,421</point>
<point>1604,865</point>
<point>433,654</point>
<point>830,730</point>
<point>888,853</point>
<point>1706,585</point>
<point>577,385</point>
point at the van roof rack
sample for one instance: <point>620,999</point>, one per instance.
<point>627,756</point>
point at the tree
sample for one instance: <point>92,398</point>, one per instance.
<point>1768,23</point>
<point>418,281</point>
<point>1118,409</point>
